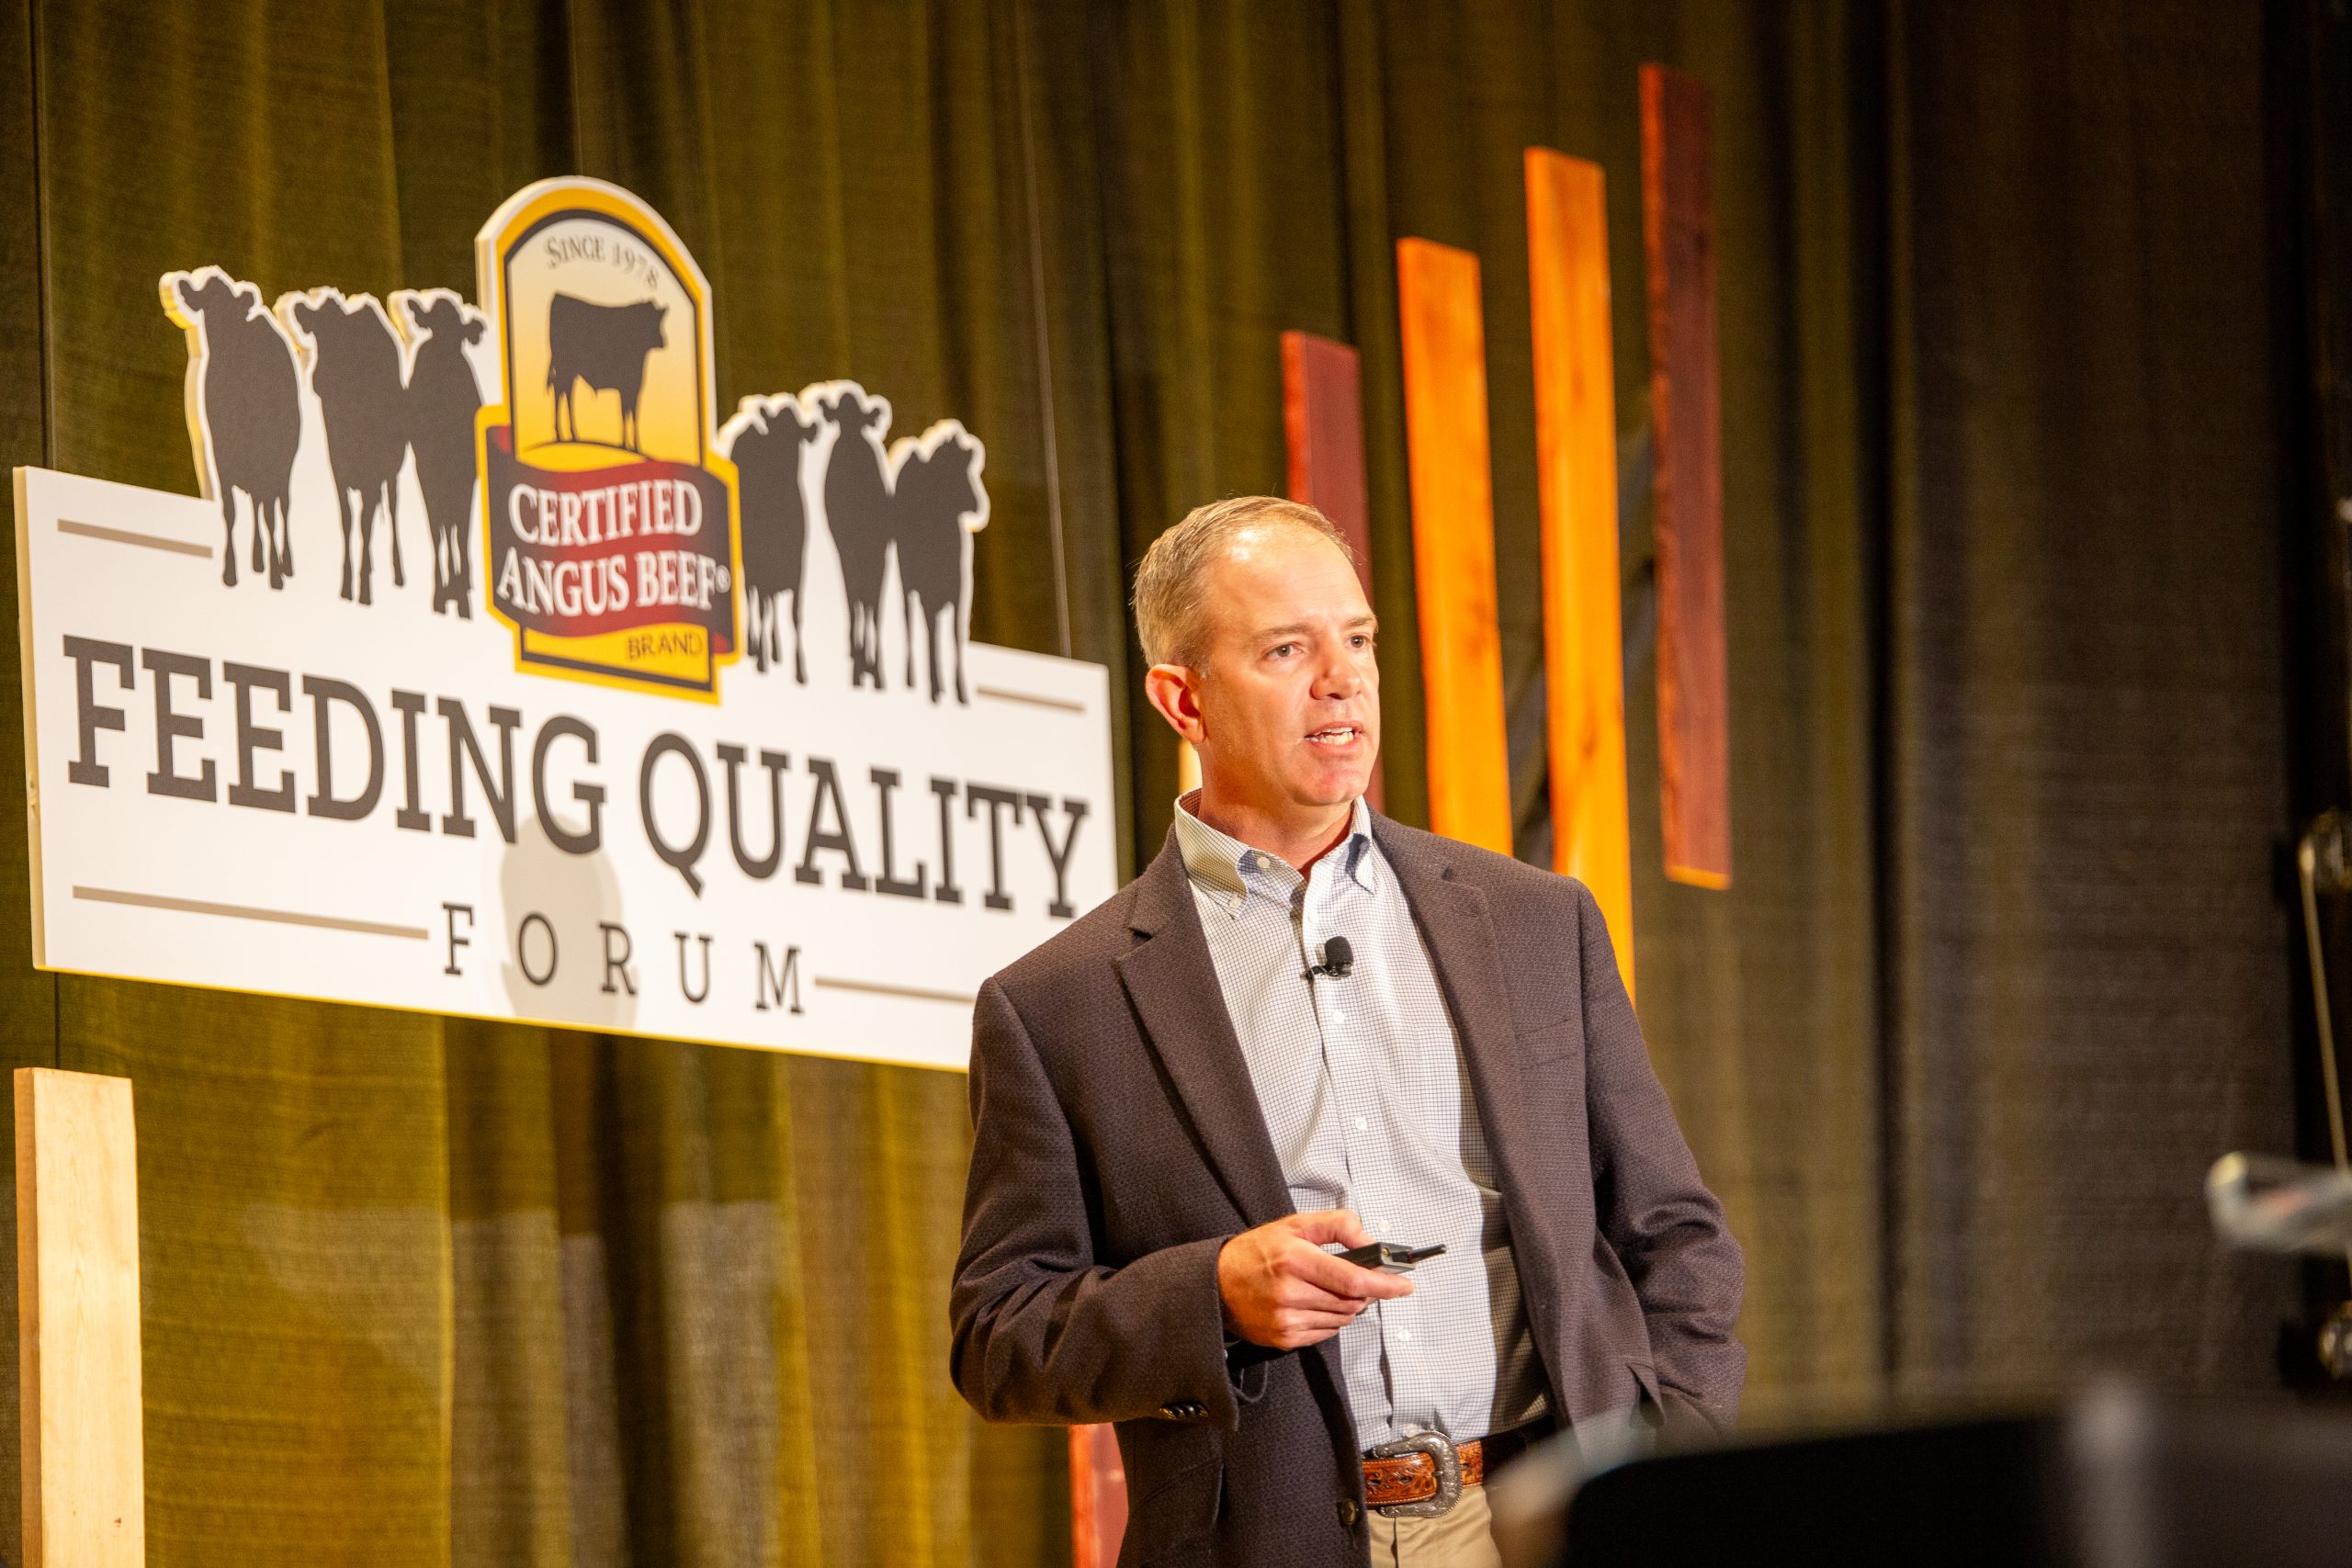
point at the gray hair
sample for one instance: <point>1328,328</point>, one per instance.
<point>1172,590</point>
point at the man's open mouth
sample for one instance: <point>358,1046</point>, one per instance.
<point>1335,735</point>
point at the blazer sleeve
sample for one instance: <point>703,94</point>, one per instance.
<point>1043,1333</point>
<point>1667,1228</point>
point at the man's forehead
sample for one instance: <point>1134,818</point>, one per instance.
<point>1280,560</point>
<point>1270,582</point>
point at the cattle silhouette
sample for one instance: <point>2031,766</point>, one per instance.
<point>244,399</point>
<point>765,441</point>
<point>857,512</point>
<point>607,346</point>
<point>442,397</point>
<point>937,504</point>
<point>355,371</point>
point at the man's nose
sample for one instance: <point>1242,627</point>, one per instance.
<point>1340,678</point>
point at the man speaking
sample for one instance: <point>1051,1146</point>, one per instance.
<point>1306,1027</point>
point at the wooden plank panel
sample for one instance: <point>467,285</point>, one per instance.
<point>1323,427</point>
<point>1693,689</point>
<point>77,1309</point>
<point>1575,455</point>
<point>1454,541</point>
<point>1097,1496</point>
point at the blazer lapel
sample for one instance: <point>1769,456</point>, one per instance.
<point>1171,980</point>
<point>1454,921</point>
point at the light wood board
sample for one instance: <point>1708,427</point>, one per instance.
<point>77,1303</point>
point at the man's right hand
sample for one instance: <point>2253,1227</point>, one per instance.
<point>1283,1291</point>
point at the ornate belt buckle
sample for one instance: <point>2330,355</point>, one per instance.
<point>1440,1449</point>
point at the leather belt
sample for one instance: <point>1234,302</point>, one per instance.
<point>1423,1475</point>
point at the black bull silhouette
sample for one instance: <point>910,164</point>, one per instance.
<point>918,502</point>
<point>767,440</point>
<point>244,390</point>
<point>936,494</point>
<point>242,378</point>
<point>607,346</point>
<point>376,416</point>
<point>443,398</point>
<point>355,371</point>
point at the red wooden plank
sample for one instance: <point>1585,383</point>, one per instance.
<point>1686,421</point>
<point>1323,426</point>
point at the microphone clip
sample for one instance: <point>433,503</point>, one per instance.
<point>1338,958</point>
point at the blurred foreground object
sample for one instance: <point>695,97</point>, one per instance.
<point>2274,1205</point>
<point>2116,1478</point>
<point>2323,864</point>
<point>2279,1205</point>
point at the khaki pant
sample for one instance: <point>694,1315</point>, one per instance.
<point>1462,1537</point>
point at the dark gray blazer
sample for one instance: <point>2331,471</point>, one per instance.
<point>1118,1145</point>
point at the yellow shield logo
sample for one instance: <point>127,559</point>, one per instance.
<point>611,524</point>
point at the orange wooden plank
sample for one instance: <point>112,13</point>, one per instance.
<point>1454,541</point>
<point>1575,456</point>
<point>1693,687</point>
<point>1323,427</point>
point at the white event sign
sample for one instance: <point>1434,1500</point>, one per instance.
<point>491,675</point>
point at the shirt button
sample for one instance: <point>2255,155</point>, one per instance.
<point>1404,1334</point>
<point>1359,1123</point>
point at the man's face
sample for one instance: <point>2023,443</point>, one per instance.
<point>1289,697</point>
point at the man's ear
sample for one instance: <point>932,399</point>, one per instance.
<point>1175,692</point>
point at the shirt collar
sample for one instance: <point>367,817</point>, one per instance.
<point>1229,870</point>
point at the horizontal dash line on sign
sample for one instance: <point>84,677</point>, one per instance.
<point>1032,699</point>
<point>125,536</point>
<point>915,992</point>
<point>247,912</point>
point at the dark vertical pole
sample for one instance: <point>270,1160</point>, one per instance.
<point>2307,113</point>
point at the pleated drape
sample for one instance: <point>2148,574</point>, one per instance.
<point>2002,968</point>
<point>434,1291</point>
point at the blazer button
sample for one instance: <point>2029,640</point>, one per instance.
<point>1348,1512</point>
<point>1170,1411</point>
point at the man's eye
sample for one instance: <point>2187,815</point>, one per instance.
<point>1281,649</point>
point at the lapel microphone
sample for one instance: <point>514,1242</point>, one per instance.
<point>1338,959</point>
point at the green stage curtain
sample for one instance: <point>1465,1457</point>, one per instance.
<point>2000,969</point>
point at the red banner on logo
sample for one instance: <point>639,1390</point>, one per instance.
<point>578,553</point>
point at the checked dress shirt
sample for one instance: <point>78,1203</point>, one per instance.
<point>1367,1100</point>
